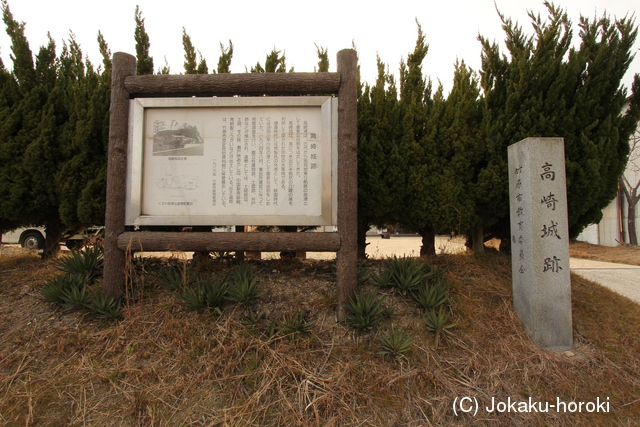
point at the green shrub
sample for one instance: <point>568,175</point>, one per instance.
<point>206,293</point>
<point>396,343</point>
<point>54,288</point>
<point>365,310</point>
<point>75,298</point>
<point>86,263</point>
<point>103,306</point>
<point>243,285</point>
<point>431,295</point>
<point>381,278</point>
<point>439,322</point>
<point>297,323</point>
<point>176,277</point>
<point>406,273</point>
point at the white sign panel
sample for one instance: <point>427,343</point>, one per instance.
<point>232,161</point>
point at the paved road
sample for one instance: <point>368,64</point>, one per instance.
<point>621,278</point>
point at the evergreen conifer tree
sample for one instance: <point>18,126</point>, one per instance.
<point>546,88</point>
<point>378,118</point>
<point>144,62</point>
<point>274,63</point>
<point>190,62</point>
<point>224,61</point>
<point>409,159</point>
<point>323,59</point>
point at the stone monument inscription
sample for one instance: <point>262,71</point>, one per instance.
<point>540,241</point>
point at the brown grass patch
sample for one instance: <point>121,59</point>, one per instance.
<point>162,366</point>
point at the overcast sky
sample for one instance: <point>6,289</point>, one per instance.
<point>256,27</point>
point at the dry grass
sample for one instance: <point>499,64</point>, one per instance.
<point>161,366</point>
<point>623,254</point>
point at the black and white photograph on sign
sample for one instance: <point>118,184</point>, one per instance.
<point>171,138</point>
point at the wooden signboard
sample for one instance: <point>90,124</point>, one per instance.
<point>214,150</point>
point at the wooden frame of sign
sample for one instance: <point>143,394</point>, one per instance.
<point>119,243</point>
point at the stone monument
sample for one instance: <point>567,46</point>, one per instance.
<point>540,241</point>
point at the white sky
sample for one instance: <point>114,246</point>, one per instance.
<point>256,27</point>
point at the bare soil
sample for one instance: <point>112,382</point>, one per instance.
<point>162,366</point>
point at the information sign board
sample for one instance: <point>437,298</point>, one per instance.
<point>232,161</point>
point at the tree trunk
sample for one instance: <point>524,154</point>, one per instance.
<point>631,221</point>
<point>53,230</point>
<point>428,241</point>
<point>477,240</point>
<point>362,240</point>
<point>632,197</point>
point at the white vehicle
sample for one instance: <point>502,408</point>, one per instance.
<point>33,238</point>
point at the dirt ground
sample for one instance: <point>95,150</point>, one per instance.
<point>161,365</point>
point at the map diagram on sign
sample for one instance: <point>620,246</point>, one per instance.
<point>177,182</point>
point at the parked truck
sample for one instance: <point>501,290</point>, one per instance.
<point>33,237</point>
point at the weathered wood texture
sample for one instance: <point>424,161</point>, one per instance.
<point>222,242</point>
<point>347,257</point>
<point>248,84</point>
<point>114,259</point>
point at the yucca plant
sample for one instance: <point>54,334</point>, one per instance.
<point>252,319</point>
<point>396,343</point>
<point>75,298</point>
<point>243,285</point>
<point>86,262</point>
<point>206,293</point>
<point>192,299</point>
<point>365,310</point>
<point>431,295</point>
<point>363,274</point>
<point>439,322</point>
<point>404,273</point>
<point>273,328</point>
<point>55,287</point>
<point>433,274</point>
<point>176,277</point>
<point>381,278</point>
<point>214,291</point>
<point>103,306</point>
<point>297,323</point>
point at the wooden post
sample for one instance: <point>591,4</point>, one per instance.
<point>114,259</point>
<point>347,257</point>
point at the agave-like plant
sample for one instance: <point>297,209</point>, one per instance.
<point>103,306</point>
<point>365,310</point>
<point>381,278</point>
<point>86,262</point>
<point>431,295</point>
<point>192,299</point>
<point>297,323</point>
<point>176,277</point>
<point>243,285</point>
<point>439,322</point>
<point>214,291</point>
<point>75,298</point>
<point>405,273</point>
<point>55,287</point>
<point>396,343</point>
<point>207,293</point>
